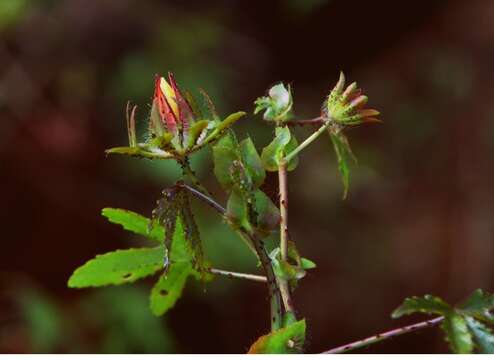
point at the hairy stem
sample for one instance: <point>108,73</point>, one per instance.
<point>233,274</point>
<point>260,250</point>
<point>384,336</point>
<point>283,189</point>
<point>307,141</point>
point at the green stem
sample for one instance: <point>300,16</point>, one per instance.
<point>307,141</point>
<point>283,189</point>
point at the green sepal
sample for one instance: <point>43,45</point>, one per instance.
<point>287,340</point>
<point>220,129</point>
<point>141,151</point>
<point>196,131</point>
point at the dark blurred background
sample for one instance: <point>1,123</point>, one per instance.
<point>419,218</point>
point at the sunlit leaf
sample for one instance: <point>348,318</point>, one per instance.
<point>287,340</point>
<point>134,222</point>
<point>308,264</point>
<point>118,267</point>
<point>168,288</point>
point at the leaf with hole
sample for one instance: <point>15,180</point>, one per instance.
<point>118,267</point>
<point>169,287</point>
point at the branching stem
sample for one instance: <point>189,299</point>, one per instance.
<point>384,336</point>
<point>307,141</point>
<point>260,250</point>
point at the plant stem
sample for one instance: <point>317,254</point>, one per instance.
<point>315,121</point>
<point>190,174</point>
<point>384,336</point>
<point>283,189</point>
<point>307,141</point>
<point>203,197</point>
<point>260,250</point>
<point>232,274</point>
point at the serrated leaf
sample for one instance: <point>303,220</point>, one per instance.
<point>169,287</point>
<point>118,267</point>
<point>428,304</point>
<point>484,339</point>
<point>287,340</point>
<point>343,154</point>
<point>252,162</point>
<point>274,152</point>
<point>134,222</point>
<point>478,305</point>
<point>457,334</point>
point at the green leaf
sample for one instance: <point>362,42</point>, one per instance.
<point>478,306</point>
<point>274,152</point>
<point>237,211</point>
<point>268,215</point>
<point>307,264</point>
<point>428,304</point>
<point>134,222</point>
<point>287,340</point>
<point>225,152</point>
<point>343,154</point>
<point>457,334</point>
<point>484,339</point>
<point>168,288</point>
<point>252,162</point>
<point>118,267</point>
